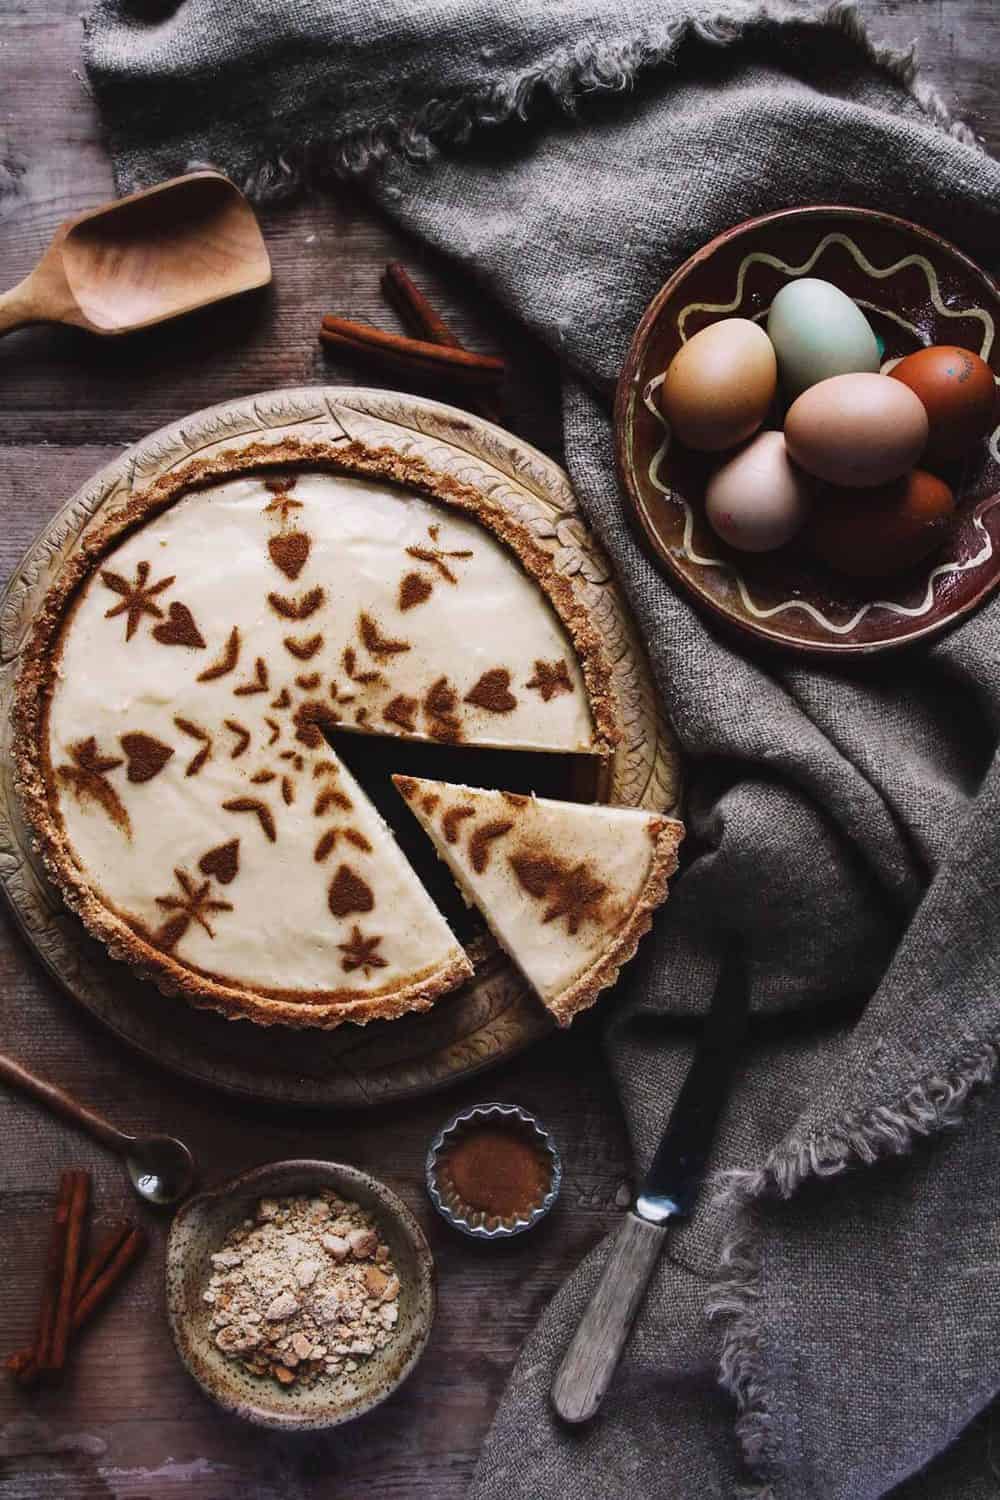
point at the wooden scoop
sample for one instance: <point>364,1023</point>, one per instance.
<point>143,259</point>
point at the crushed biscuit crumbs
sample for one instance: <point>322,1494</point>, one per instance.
<point>303,1290</point>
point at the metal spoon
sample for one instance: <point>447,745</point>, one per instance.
<point>161,1168</point>
<point>159,253</point>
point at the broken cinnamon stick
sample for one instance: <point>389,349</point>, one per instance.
<point>423,319</point>
<point>102,1273</point>
<point>415,356</point>
<point>75,1221</point>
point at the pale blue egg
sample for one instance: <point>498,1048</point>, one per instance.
<point>818,332</point>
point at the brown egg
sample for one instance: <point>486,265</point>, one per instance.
<point>870,533</point>
<point>958,390</point>
<point>856,430</point>
<point>719,385</point>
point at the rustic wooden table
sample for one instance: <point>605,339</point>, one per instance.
<point>127,1422</point>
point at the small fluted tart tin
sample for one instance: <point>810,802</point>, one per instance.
<point>475,1221</point>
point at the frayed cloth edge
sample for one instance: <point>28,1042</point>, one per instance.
<point>937,1102</point>
<point>586,70</point>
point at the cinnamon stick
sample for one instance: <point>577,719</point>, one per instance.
<point>415,356</point>
<point>75,1220</point>
<point>423,319</point>
<point>414,308</point>
<point>52,1277</point>
<point>104,1284</point>
<point>105,1252</point>
<point>102,1273</point>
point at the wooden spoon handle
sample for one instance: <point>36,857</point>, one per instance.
<point>20,306</point>
<point>61,1104</point>
<point>592,1357</point>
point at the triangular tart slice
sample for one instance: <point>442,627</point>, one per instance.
<point>567,888</point>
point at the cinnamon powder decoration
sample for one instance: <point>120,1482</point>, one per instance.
<point>88,780</point>
<point>227,661</point>
<point>179,629</point>
<point>310,719</point>
<point>375,643</point>
<point>479,843</point>
<point>136,596</point>
<point>551,677</point>
<point>570,890</point>
<point>440,702</point>
<point>349,893</point>
<point>401,711</point>
<point>305,649</point>
<point>145,756</point>
<point>497,1171</point>
<point>493,693</point>
<point>289,552</point>
<point>414,589</point>
<point>453,818</point>
<point>260,684</point>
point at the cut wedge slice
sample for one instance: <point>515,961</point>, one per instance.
<point>567,888</point>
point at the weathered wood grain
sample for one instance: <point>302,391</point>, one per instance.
<point>591,1359</point>
<point>128,1423</point>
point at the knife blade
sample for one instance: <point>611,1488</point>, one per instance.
<point>669,1191</point>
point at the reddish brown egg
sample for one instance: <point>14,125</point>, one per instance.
<point>870,533</point>
<point>958,390</point>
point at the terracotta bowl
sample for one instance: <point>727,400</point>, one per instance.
<point>199,1229</point>
<point>916,290</point>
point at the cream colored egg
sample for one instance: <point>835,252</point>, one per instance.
<point>719,385</point>
<point>758,500</point>
<point>855,430</point>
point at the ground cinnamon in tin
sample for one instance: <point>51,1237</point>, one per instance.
<point>497,1171</point>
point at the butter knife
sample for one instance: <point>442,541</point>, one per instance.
<point>669,1192</point>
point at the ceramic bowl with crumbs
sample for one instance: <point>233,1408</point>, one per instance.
<point>493,1171</point>
<point>300,1295</point>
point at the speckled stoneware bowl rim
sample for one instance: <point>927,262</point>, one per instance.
<point>456,1125</point>
<point>280,1179</point>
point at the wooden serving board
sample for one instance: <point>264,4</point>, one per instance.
<point>494,1015</point>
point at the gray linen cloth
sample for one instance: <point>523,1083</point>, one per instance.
<point>840,1302</point>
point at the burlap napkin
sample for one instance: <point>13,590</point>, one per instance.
<point>571,153</point>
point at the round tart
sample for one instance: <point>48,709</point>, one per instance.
<point>176,703</point>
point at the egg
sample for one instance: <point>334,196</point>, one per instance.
<point>818,332</point>
<point>719,385</point>
<point>758,500</point>
<point>869,533</point>
<point>856,430</point>
<point>959,393</point>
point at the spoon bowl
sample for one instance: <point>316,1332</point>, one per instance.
<point>161,1168</point>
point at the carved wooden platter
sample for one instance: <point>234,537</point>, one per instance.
<point>494,1015</point>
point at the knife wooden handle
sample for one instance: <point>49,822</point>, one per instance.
<point>592,1358</point>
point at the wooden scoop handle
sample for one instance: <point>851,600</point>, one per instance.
<point>62,1104</point>
<point>592,1357</point>
<point>20,306</point>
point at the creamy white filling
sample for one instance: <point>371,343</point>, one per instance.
<point>335,553</point>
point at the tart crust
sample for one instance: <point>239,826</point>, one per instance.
<point>33,771</point>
